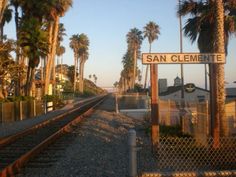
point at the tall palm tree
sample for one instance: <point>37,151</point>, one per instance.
<point>134,40</point>
<point>33,42</point>
<point>201,28</point>
<point>127,73</point>
<point>83,56</point>
<point>60,51</point>
<point>218,70</point>
<point>74,45</point>
<point>151,31</point>
<point>19,58</point>
<point>56,10</point>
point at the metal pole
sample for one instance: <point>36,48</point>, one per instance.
<point>117,108</point>
<point>132,153</point>
<point>181,51</point>
<point>205,76</point>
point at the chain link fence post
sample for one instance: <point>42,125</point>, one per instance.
<point>132,153</point>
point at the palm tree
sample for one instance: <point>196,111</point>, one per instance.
<point>218,69</point>
<point>151,31</point>
<point>6,63</point>
<point>5,19</point>
<point>94,77</point>
<point>60,51</point>
<point>56,9</point>
<point>3,5</point>
<point>83,56</point>
<point>201,27</point>
<point>74,45</point>
<point>33,42</point>
<point>127,73</point>
<point>134,40</point>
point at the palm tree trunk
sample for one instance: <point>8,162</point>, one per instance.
<point>218,92</point>
<point>82,72</point>
<point>81,77</point>
<point>1,30</point>
<point>135,65</point>
<point>147,68</point>
<point>53,33</point>
<point>48,60</point>
<point>19,81</point>
<point>75,70</point>
<point>3,4</point>
<point>54,76</point>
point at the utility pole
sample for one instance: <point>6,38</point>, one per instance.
<point>181,51</point>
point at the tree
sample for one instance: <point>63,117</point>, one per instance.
<point>218,70</point>
<point>201,27</point>
<point>55,10</point>
<point>83,42</point>
<point>151,31</point>
<point>127,72</point>
<point>60,51</point>
<point>33,40</point>
<point>134,40</point>
<point>74,45</point>
<point>7,15</point>
<point>95,78</point>
<point>3,4</point>
<point>8,67</point>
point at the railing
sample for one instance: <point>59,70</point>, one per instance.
<point>13,111</point>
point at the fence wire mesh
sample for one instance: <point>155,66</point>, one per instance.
<point>187,154</point>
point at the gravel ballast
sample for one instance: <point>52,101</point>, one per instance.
<point>99,148</point>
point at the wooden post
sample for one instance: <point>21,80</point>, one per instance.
<point>117,108</point>
<point>21,111</point>
<point>169,112</point>
<point>1,112</point>
<point>154,105</point>
<point>34,108</point>
<point>207,118</point>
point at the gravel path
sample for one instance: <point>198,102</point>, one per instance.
<point>99,148</point>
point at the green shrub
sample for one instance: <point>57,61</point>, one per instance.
<point>16,98</point>
<point>168,131</point>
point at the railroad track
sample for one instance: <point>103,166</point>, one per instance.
<point>17,150</point>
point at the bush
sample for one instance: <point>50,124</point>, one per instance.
<point>16,98</point>
<point>57,102</point>
<point>168,131</point>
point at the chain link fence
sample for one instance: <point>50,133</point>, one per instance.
<point>187,155</point>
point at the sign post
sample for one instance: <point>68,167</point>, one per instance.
<point>172,58</point>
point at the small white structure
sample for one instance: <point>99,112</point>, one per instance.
<point>191,93</point>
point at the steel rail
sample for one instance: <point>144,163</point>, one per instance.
<point>7,140</point>
<point>15,166</point>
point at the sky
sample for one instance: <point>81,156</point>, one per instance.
<point>106,23</point>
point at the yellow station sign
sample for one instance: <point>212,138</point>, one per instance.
<point>183,58</point>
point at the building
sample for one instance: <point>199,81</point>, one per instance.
<point>162,85</point>
<point>177,81</point>
<point>230,94</point>
<point>191,93</point>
